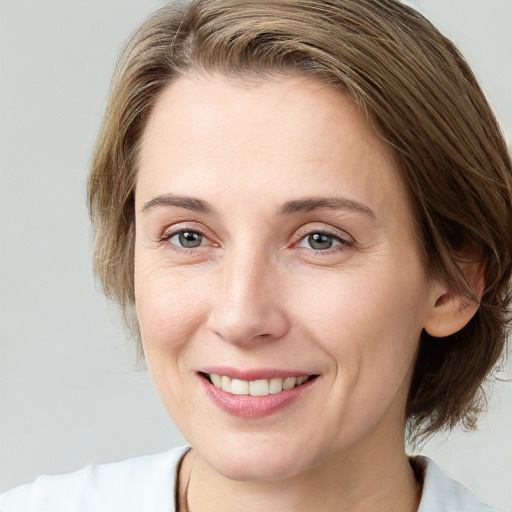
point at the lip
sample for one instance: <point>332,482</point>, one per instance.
<point>247,406</point>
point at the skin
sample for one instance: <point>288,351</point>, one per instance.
<point>254,294</point>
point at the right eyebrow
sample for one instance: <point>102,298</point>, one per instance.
<point>190,203</point>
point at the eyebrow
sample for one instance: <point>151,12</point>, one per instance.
<point>289,208</point>
<point>331,203</point>
<point>190,203</point>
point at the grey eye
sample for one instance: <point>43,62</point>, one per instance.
<point>319,241</point>
<point>187,239</point>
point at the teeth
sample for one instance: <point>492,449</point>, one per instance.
<point>260,387</point>
<point>216,380</point>
<point>289,383</point>
<point>275,386</point>
<point>225,383</point>
<point>239,387</point>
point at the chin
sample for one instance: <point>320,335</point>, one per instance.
<point>253,459</point>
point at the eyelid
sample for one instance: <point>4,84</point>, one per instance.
<point>340,235</point>
<point>336,242</point>
<point>176,229</point>
<point>345,240</point>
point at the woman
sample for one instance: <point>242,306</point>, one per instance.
<point>303,209</point>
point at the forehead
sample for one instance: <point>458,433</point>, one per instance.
<point>287,136</point>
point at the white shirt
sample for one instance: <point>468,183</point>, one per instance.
<point>147,484</point>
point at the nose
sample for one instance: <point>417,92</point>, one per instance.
<point>247,306</point>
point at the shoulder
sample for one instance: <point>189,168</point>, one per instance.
<point>139,484</point>
<point>441,494</point>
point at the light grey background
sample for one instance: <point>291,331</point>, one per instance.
<point>71,390</point>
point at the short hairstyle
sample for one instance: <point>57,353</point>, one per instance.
<point>419,95</point>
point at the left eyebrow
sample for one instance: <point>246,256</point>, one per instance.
<point>331,203</point>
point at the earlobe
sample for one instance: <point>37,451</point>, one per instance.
<point>450,311</point>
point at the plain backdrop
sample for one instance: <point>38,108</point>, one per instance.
<point>72,391</point>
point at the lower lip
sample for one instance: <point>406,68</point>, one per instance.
<point>247,406</point>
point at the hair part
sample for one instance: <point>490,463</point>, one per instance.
<point>420,96</point>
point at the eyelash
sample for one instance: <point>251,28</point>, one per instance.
<point>166,237</point>
<point>343,242</point>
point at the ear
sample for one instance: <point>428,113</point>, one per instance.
<point>449,312</point>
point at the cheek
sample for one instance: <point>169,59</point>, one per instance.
<point>366,320</point>
<point>170,311</point>
<point>170,307</point>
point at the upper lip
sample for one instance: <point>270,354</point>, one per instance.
<point>254,374</point>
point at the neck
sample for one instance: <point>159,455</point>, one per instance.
<point>374,480</point>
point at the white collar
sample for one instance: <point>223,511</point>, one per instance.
<point>440,494</point>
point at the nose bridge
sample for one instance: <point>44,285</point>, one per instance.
<point>246,307</point>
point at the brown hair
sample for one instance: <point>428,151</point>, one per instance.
<point>419,94</point>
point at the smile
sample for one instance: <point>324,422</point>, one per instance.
<point>259,387</point>
<point>255,393</point>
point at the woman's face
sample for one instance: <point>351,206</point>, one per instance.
<point>275,241</point>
